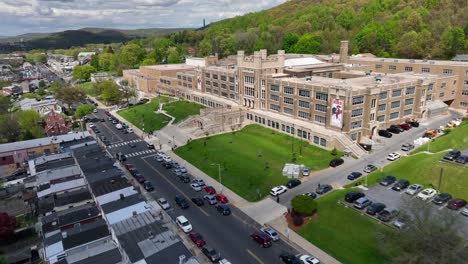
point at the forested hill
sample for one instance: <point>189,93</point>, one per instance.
<point>399,28</point>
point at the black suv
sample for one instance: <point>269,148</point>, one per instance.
<point>211,254</point>
<point>290,258</point>
<point>394,130</point>
<point>385,133</point>
<point>387,180</point>
<point>323,188</point>
<point>293,183</point>
<point>452,155</point>
<point>442,198</point>
<point>223,209</point>
<point>397,127</point>
<point>352,196</point>
<point>400,185</point>
<point>184,178</point>
<point>148,186</point>
<point>181,201</point>
<point>336,162</point>
<point>375,208</point>
<point>413,123</point>
<point>354,175</point>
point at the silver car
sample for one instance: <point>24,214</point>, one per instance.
<point>362,203</point>
<point>270,232</point>
<point>164,203</point>
<point>464,211</point>
<point>414,189</point>
<point>210,199</point>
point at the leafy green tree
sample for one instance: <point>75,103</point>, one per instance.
<point>346,19</point>
<point>409,46</point>
<point>105,61</point>
<point>304,205</point>
<point>452,41</point>
<point>10,130</point>
<point>5,105</point>
<point>41,92</point>
<point>83,110</point>
<point>83,72</point>
<point>70,94</point>
<point>41,84</point>
<point>95,62</point>
<point>309,44</point>
<point>132,55</point>
<point>30,120</point>
<point>205,48</point>
<point>174,56</point>
<point>110,92</point>
<point>148,61</point>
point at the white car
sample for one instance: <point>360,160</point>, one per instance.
<point>91,125</point>
<point>414,189</point>
<point>307,259</point>
<point>199,181</point>
<point>167,158</point>
<point>196,187</point>
<point>130,130</point>
<point>427,194</point>
<point>278,190</point>
<point>95,111</point>
<point>464,211</point>
<point>393,156</point>
<point>305,171</point>
<point>224,261</point>
<point>184,224</point>
<point>164,203</point>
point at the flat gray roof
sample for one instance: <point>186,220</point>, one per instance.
<point>27,144</point>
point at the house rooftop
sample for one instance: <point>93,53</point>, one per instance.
<point>122,203</point>
<point>33,143</point>
<point>83,234</point>
<point>55,174</point>
<point>49,202</point>
<point>109,185</point>
<point>103,175</point>
<point>112,256</point>
<point>69,216</point>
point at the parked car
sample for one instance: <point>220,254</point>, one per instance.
<point>224,209</point>
<point>397,127</point>
<point>270,232</point>
<point>401,221</point>
<point>393,130</point>
<point>407,147</point>
<point>452,155</point>
<point>278,190</point>
<point>336,162</point>
<point>163,203</point>
<point>198,201</point>
<point>427,194</point>
<point>387,180</point>
<point>462,159</point>
<point>370,168</point>
<point>210,189</point>
<point>414,189</point>
<point>200,182</point>
<point>181,201</point>
<point>464,211</point>
<point>456,204</point>
<point>352,196</point>
<point>197,239</point>
<point>210,199</point>
<point>221,198</point>
<point>183,223</point>
<point>150,146</point>
<point>385,133</point>
<point>211,254</point>
<point>354,175</point>
<point>307,259</point>
<point>262,239</point>
<point>405,126</point>
<point>132,145</point>
<point>140,178</point>
<point>129,166</point>
<point>362,203</point>
<point>400,185</point>
<point>196,187</point>
<point>148,186</point>
<point>375,208</point>
<point>305,171</point>
<point>289,258</point>
<point>323,188</point>
<point>311,194</point>
<point>413,123</point>
<point>184,178</point>
<point>293,183</point>
<point>393,156</point>
<point>441,198</point>
<point>387,214</point>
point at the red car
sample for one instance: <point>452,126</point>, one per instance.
<point>221,198</point>
<point>405,126</point>
<point>197,239</point>
<point>262,239</point>
<point>107,113</point>
<point>139,178</point>
<point>129,166</point>
<point>456,204</point>
<point>210,190</point>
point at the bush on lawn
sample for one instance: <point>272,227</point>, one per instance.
<point>334,152</point>
<point>304,205</point>
<point>298,220</point>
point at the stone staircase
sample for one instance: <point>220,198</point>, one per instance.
<point>349,145</point>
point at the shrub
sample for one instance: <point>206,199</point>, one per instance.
<point>304,205</point>
<point>298,220</point>
<point>334,152</point>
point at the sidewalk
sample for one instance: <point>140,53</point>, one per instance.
<point>264,212</point>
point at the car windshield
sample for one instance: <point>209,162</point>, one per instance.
<point>185,223</point>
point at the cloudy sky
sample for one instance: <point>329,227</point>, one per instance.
<point>26,16</point>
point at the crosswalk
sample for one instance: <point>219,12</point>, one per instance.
<point>123,143</point>
<point>134,154</point>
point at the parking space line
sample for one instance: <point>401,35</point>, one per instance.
<point>440,208</point>
<point>254,256</point>
<point>173,185</point>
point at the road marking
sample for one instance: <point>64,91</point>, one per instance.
<point>173,185</point>
<point>110,129</point>
<point>254,256</point>
<point>442,207</point>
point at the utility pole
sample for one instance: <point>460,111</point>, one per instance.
<point>440,178</point>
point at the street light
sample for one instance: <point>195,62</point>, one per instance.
<point>219,175</point>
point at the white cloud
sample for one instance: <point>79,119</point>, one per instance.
<point>20,16</point>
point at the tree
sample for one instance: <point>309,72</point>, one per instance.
<point>95,62</point>
<point>304,205</point>
<point>452,41</point>
<point>83,110</point>
<point>289,40</point>
<point>128,91</point>
<point>309,44</point>
<point>10,130</point>
<point>105,61</point>
<point>83,72</point>
<point>5,105</point>
<point>70,95</point>
<point>429,237</point>
<point>409,47</point>
<point>30,122</point>
<point>7,226</point>
<point>41,84</point>
<point>132,55</point>
<point>110,93</point>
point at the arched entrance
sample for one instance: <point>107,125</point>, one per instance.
<point>374,131</point>
<point>423,114</point>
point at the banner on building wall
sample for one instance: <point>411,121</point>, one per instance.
<point>337,113</point>
<point>199,81</point>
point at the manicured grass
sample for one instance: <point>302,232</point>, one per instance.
<point>457,138</point>
<point>251,159</point>
<point>345,234</point>
<point>88,87</point>
<point>144,114</point>
<point>182,109</point>
<point>425,169</point>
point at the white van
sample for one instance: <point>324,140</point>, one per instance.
<point>184,224</point>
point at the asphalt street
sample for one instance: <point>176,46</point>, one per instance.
<point>227,234</point>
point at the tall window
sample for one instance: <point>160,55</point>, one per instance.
<point>304,115</point>
<point>321,96</point>
<point>410,90</point>
<point>356,112</point>
<point>382,107</point>
<point>394,115</point>
<point>288,100</point>
<point>321,108</point>
<point>274,107</point>
<point>396,93</point>
<point>395,104</point>
<point>381,118</point>
<point>447,71</point>
<point>304,104</point>
<point>274,97</point>
<point>358,100</point>
<point>425,70</point>
<point>356,124</point>
<point>274,88</point>
<point>409,101</point>
<point>408,69</point>
<point>408,112</point>
<point>304,93</point>
<point>287,110</point>
<point>320,119</point>
<point>383,95</point>
<point>288,90</point>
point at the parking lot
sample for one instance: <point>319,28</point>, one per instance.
<point>401,200</point>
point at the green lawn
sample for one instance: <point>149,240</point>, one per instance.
<point>251,159</point>
<point>345,234</point>
<point>457,138</point>
<point>182,109</point>
<point>425,169</point>
<point>88,87</point>
<point>144,114</point>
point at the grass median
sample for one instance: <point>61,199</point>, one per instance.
<point>144,116</point>
<point>252,159</point>
<point>457,138</point>
<point>180,110</point>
